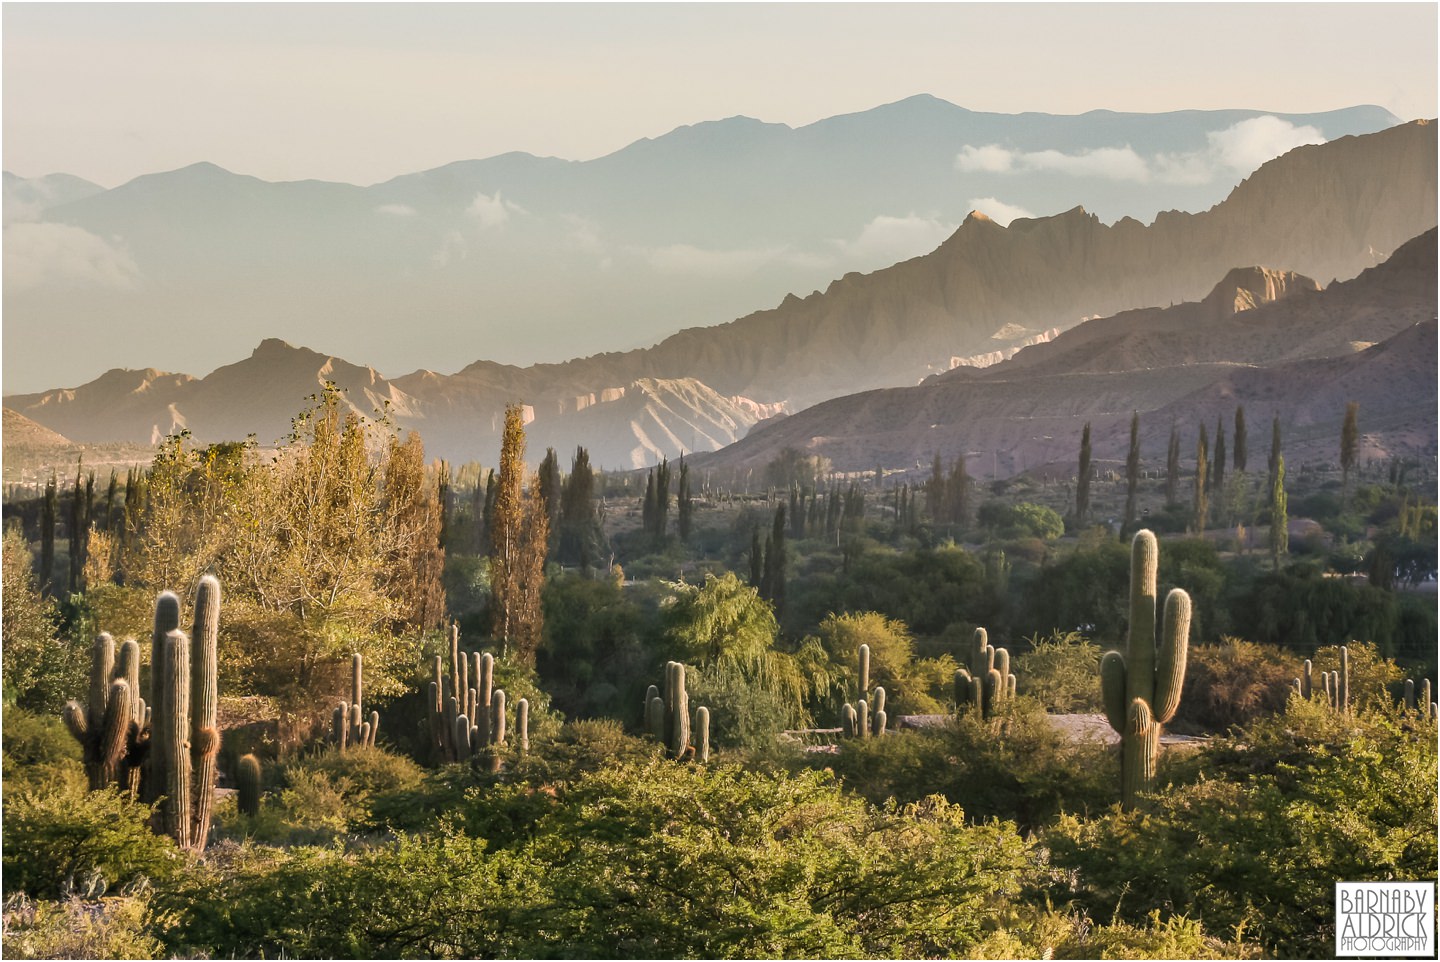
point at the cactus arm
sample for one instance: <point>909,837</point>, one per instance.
<point>102,669</point>
<point>1112,689</point>
<point>702,722</point>
<point>247,780</point>
<point>1172,656</point>
<point>864,668</point>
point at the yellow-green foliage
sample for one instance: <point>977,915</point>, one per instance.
<point>111,928</point>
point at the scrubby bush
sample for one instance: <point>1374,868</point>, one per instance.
<point>1061,672</point>
<point>112,928</point>
<point>1301,799</point>
<point>1234,683</point>
<point>60,835</point>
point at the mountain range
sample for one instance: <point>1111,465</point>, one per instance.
<point>518,258</point>
<point>1269,340</point>
<point>1324,212</point>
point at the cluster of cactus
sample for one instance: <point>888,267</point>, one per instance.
<point>166,751</point>
<point>988,682</point>
<point>1426,707</point>
<point>1141,688</point>
<point>468,720</point>
<point>867,716</point>
<point>113,728</point>
<point>667,717</point>
<point>1334,684</point>
<point>348,725</point>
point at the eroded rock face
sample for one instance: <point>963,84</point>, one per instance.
<point>1246,288</point>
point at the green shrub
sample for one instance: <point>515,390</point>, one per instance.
<point>1061,672</point>
<point>62,832</point>
<point>1017,765</point>
<point>1292,803</point>
<point>38,750</point>
<point>1234,683</point>
<point>113,928</point>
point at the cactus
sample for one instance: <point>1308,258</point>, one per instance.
<point>1141,687</point>
<point>166,751</point>
<point>988,682</point>
<point>867,716</point>
<point>667,716</point>
<point>247,780</point>
<point>110,727</point>
<point>467,713</point>
<point>522,725</point>
<point>1417,700</point>
<point>349,727</point>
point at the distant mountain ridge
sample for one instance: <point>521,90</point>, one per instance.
<point>985,291</point>
<point>518,257</point>
<point>1273,342</point>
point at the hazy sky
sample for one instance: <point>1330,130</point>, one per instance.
<point>364,92</point>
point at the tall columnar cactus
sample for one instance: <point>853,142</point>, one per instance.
<point>348,725</point>
<point>112,727</point>
<point>1419,700</point>
<point>988,682</point>
<point>667,715</point>
<point>867,716</point>
<point>247,781</point>
<point>166,751</point>
<point>467,712</point>
<point>184,734</point>
<point>1141,688</point>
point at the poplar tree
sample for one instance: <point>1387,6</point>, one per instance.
<point>1082,483</point>
<point>1172,466</point>
<point>1349,448</point>
<point>47,536</point>
<point>579,529</point>
<point>1202,503</point>
<point>1274,451</point>
<point>1279,517</point>
<point>519,534</point>
<point>1132,473</point>
<point>550,490</point>
<point>685,507</point>
<point>757,559</point>
<point>1217,474</point>
<point>1240,438</point>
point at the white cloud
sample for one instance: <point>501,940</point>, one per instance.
<point>492,212</point>
<point>997,210</point>
<point>1237,149</point>
<point>59,254</point>
<point>887,240</point>
<point>991,159</point>
<point>1252,142</point>
<point>1107,163</point>
<point>396,210</point>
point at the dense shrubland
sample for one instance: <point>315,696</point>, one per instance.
<point>993,833</point>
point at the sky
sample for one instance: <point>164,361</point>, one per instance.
<point>361,93</point>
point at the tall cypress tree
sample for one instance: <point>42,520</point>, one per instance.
<point>1172,466</point>
<point>1202,503</point>
<point>1082,482</point>
<point>1132,474</point>
<point>649,510</point>
<point>1349,448</point>
<point>47,535</point>
<point>935,492</point>
<point>683,502</point>
<point>1274,451</point>
<point>757,559</point>
<point>550,490</point>
<point>1240,439</point>
<point>579,529</point>
<point>775,557</point>
<point>1217,474</point>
